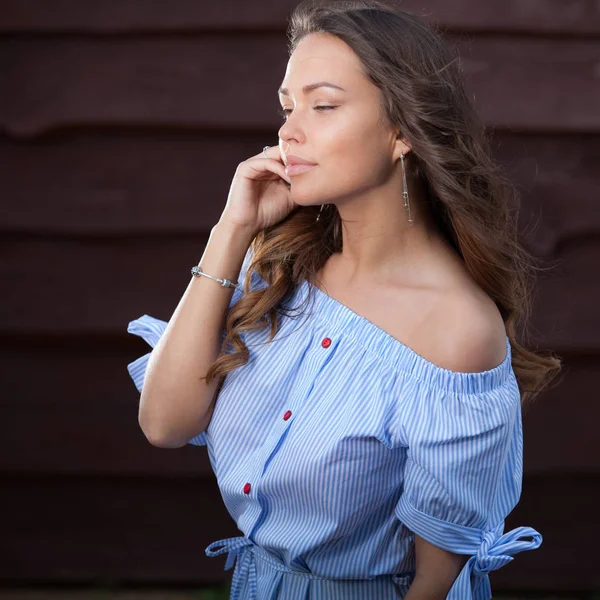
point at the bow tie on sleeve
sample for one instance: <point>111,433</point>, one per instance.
<point>494,551</point>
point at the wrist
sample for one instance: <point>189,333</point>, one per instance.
<point>233,234</point>
<point>227,225</point>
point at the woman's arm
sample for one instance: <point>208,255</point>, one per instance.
<point>436,570</point>
<point>176,404</point>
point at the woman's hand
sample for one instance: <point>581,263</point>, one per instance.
<point>260,194</point>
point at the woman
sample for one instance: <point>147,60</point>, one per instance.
<point>373,448</point>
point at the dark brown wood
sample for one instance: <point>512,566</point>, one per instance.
<point>169,183</point>
<point>577,17</point>
<point>139,530</point>
<point>557,565</point>
<point>95,286</point>
<point>121,125</point>
<point>203,83</point>
<point>72,409</point>
<point>556,176</point>
<point>121,183</point>
<point>110,530</point>
<point>192,83</point>
<point>556,445</point>
<point>106,282</point>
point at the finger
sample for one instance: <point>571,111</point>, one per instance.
<point>262,153</point>
<point>269,166</point>
<point>271,152</point>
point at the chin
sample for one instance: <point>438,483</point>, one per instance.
<point>304,199</point>
<point>306,195</point>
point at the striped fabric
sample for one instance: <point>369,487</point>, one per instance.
<point>336,443</point>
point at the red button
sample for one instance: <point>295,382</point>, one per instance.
<point>287,415</point>
<point>247,488</point>
<point>326,343</point>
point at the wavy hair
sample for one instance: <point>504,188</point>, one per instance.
<point>473,202</point>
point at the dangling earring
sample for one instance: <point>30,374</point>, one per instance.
<point>405,192</point>
<point>322,205</point>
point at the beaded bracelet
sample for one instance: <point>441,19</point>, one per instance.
<point>197,272</point>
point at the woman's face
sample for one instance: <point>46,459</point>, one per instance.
<point>349,140</point>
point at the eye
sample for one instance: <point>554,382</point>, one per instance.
<point>284,111</point>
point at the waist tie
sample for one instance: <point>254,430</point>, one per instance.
<point>245,568</point>
<point>494,552</point>
<point>246,553</point>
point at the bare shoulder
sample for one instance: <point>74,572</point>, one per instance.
<point>466,332</point>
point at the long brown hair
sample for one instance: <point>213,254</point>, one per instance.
<point>473,202</point>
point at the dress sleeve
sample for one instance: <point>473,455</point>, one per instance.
<point>151,329</point>
<point>463,476</point>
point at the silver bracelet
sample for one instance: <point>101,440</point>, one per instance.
<point>197,272</point>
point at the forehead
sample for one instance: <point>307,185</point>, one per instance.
<point>321,56</point>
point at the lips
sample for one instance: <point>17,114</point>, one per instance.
<point>298,169</point>
<point>297,165</point>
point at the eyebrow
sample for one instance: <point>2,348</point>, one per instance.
<point>312,86</point>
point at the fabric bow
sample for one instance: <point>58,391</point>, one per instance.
<point>245,568</point>
<point>494,552</point>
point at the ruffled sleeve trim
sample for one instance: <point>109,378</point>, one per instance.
<point>150,330</point>
<point>490,549</point>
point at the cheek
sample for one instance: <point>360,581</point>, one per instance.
<point>357,140</point>
<point>350,159</point>
<point>360,159</point>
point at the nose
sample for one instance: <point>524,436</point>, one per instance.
<point>289,130</point>
<point>282,133</point>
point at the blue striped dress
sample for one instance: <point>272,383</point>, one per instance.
<point>336,443</point>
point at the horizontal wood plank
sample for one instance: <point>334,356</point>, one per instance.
<point>121,183</point>
<point>576,17</point>
<point>157,592</point>
<point>168,183</point>
<point>544,421</point>
<point>154,531</point>
<point>205,83</point>
<point>72,408</point>
<point>121,125</point>
<point>95,287</point>
<point>111,530</point>
<point>100,284</point>
<point>555,508</point>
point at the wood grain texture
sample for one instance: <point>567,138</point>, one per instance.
<point>121,183</point>
<point>559,430</point>
<point>128,183</point>
<point>109,530</point>
<point>121,124</point>
<point>106,283</point>
<point>73,408</point>
<point>78,415</point>
<point>138,530</point>
<point>95,286</point>
<point>230,82</point>
<point>576,17</point>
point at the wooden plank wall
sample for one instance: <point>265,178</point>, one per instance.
<point>121,123</point>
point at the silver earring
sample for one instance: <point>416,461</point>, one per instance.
<point>322,205</point>
<point>405,191</point>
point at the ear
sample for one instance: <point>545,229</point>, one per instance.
<point>400,146</point>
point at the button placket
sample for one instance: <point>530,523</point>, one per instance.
<point>267,452</point>
<point>326,342</point>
